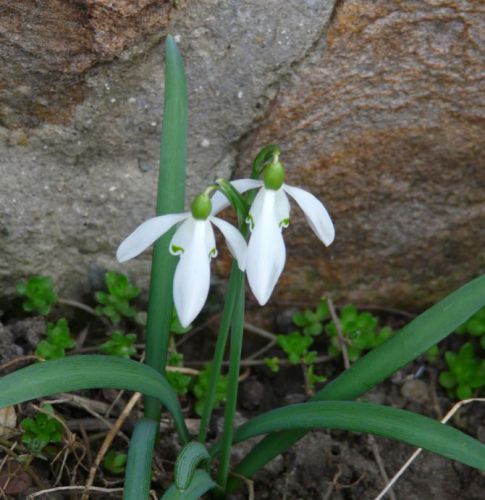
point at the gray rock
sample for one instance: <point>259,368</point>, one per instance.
<point>77,179</point>
<point>415,390</point>
<point>378,106</point>
<point>8,348</point>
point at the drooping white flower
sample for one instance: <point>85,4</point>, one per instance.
<point>194,242</point>
<point>268,216</point>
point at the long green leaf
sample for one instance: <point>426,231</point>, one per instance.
<point>138,475</point>
<point>201,483</point>
<point>170,199</point>
<point>191,455</point>
<point>413,340</point>
<point>74,373</point>
<point>400,425</point>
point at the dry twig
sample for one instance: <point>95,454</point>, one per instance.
<point>19,359</point>
<point>74,488</point>
<point>340,333</point>
<point>107,442</point>
<point>345,355</point>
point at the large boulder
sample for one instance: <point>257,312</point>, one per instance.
<point>384,121</point>
<point>376,106</point>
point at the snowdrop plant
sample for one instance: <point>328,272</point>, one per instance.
<point>183,246</point>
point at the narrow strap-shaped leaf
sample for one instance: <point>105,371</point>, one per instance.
<point>90,372</point>
<point>201,483</point>
<point>170,199</point>
<point>191,455</point>
<point>138,473</point>
<point>413,340</point>
<point>392,423</point>
<point>410,342</point>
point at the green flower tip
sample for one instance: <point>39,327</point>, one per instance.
<point>201,206</point>
<point>274,176</point>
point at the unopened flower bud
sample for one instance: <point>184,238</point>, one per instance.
<point>201,207</point>
<point>274,176</point>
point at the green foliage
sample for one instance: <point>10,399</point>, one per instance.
<point>87,371</point>
<point>38,293</point>
<point>264,158</point>
<point>475,326</point>
<point>273,364</point>
<point>313,378</point>
<point>311,321</point>
<point>114,462</point>
<point>176,327</point>
<point>432,354</point>
<point>116,302</point>
<point>120,344</point>
<point>201,386</point>
<point>58,339</point>
<point>465,372</point>
<point>295,345</point>
<point>360,331</point>
<point>238,202</point>
<point>41,430</point>
<point>179,381</point>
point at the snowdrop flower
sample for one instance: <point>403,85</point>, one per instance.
<point>194,242</point>
<point>268,216</point>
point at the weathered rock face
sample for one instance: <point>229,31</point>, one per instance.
<point>375,104</point>
<point>73,186</point>
<point>49,46</point>
<point>384,122</point>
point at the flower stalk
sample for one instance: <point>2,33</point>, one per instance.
<point>237,330</point>
<point>235,279</point>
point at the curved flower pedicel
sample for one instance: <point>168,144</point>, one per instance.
<point>194,242</point>
<point>269,214</point>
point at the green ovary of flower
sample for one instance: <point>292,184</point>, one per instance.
<point>201,207</point>
<point>274,176</point>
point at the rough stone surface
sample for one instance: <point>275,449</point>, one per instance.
<point>376,105</point>
<point>384,121</point>
<point>74,185</point>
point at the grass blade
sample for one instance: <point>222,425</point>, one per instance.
<point>188,459</point>
<point>170,199</point>
<point>391,423</point>
<point>138,475</point>
<point>413,340</point>
<point>74,373</point>
<point>201,483</point>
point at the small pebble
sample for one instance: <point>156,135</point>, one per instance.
<point>415,390</point>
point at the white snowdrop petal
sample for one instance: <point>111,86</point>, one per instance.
<point>234,239</point>
<point>183,236</point>
<point>146,234</point>
<point>264,200</point>
<point>192,277</point>
<point>210,240</point>
<point>219,201</point>
<point>282,208</point>
<point>315,213</point>
<point>266,252</point>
